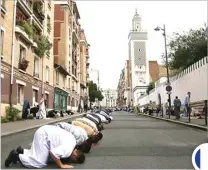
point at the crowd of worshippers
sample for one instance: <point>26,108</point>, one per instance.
<point>63,143</point>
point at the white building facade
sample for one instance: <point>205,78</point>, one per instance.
<point>138,59</point>
<point>110,98</point>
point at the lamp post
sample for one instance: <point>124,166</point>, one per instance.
<point>166,60</point>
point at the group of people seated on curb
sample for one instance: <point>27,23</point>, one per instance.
<point>63,143</point>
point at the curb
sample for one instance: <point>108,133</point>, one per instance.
<point>204,128</point>
<point>39,125</point>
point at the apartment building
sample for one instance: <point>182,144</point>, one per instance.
<point>62,56</point>
<point>84,67</point>
<point>127,80</point>
<point>109,98</point>
<point>27,54</point>
<point>121,100</point>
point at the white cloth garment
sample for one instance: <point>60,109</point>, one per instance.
<point>90,122</point>
<point>41,114</point>
<point>103,119</point>
<point>105,114</point>
<point>48,139</point>
<point>79,133</point>
<point>96,119</point>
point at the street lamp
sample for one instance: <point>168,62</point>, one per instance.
<point>166,60</point>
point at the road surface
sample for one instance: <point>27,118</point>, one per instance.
<point>131,142</point>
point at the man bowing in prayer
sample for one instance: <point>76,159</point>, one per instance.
<point>48,141</point>
<point>79,133</point>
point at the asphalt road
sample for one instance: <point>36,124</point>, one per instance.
<point>130,142</point>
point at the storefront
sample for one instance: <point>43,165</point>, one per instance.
<point>60,99</point>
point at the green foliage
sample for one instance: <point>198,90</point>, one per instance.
<point>4,120</point>
<point>94,92</point>
<point>12,113</point>
<point>27,28</point>
<point>150,87</point>
<point>43,46</point>
<point>187,48</point>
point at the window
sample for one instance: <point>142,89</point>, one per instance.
<point>22,53</point>
<point>47,74</point>
<point>73,85</point>
<point>36,67</point>
<point>69,100</point>
<point>2,42</point>
<point>20,94</point>
<point>35,96</point>
<point>46,100</point>
<point>57,76</point>
<point>69,83</point>
<point>64,78</point>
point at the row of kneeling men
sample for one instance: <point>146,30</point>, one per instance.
<point>64,143</point>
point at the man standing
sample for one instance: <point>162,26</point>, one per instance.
<point>177,107</point>
<point>48,141</point>
<point>187,104</point>
<point>150,108</point>
<point>25,108</point>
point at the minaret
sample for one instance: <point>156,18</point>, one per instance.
<point>136,22</point>
<point>137,57</point>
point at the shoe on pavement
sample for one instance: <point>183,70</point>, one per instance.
<point>12,158</point>
<point>19,150</point>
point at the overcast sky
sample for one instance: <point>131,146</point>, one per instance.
<point>107,25</point>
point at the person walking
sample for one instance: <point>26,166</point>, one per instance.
<point>26,107</point>
<point>187,104</point>
<point>177,107</point>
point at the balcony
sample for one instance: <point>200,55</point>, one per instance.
<point>83,84</point>
<point>23,64</point>
<point>26,36</point>
<point>38,12</point>
<point>87,65</point>
<point>25,6</point>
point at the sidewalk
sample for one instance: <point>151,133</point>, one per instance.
<point>195,123</point>
<point>22,125</point>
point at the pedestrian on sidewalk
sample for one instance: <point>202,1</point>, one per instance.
<point>187,104</point>
<point>177,107</point>
<point>42,109</point>
<point>150,108</point>
<point>25,108</point>
<point>48,141</point>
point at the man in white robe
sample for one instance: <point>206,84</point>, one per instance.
<point>79,133</point>
<point>48,141</point>
<point>41,114</point>
<point>103,119</point>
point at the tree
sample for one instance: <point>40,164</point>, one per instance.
<point>150,87</point>
<point>187,48</point>
<point>94,92</point>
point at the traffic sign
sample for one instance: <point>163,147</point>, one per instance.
<point>168,88</point>
<point>169,92</point>
<point>200,157</point>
